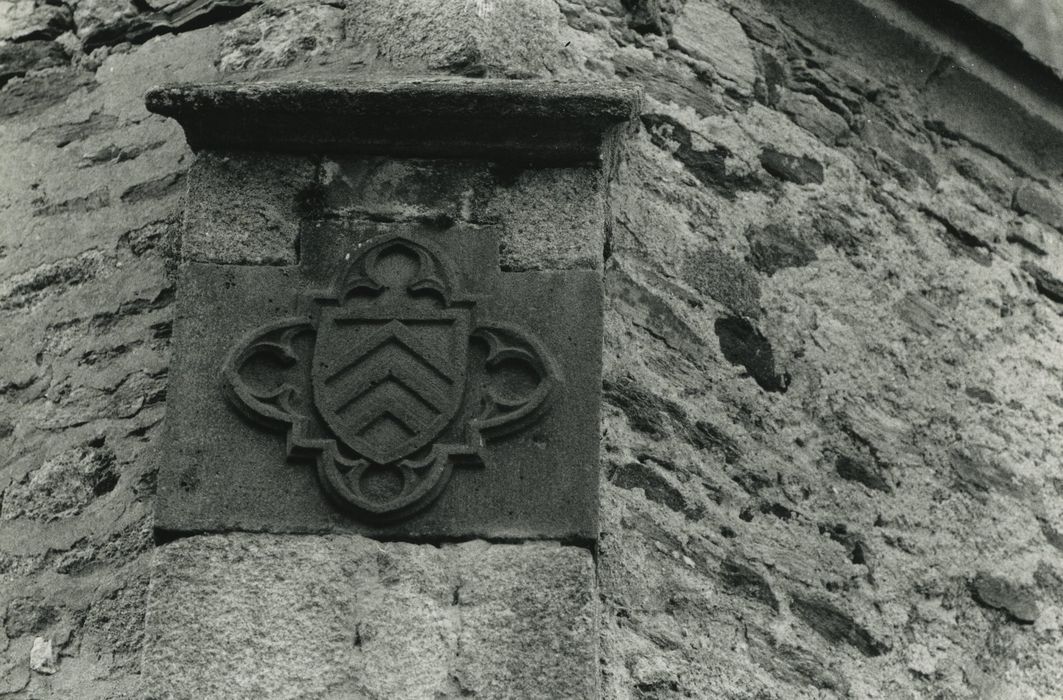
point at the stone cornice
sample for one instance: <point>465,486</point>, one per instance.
<point>508,120</point>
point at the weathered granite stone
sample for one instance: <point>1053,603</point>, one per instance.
<point>243,208</point>
<point>1045,282</point>
<point>1030,235</point>
<point>809,113</point>
<point>798,169</point>
<point>513,39</point>
<point>710,34</point>
<point>1000,594</point>
<point>907,156</point>
<point>775,247</point>
<point>43,656</point>
<point>255,616</point>
<point>22,19</point>
<point>18,59</point>
<point>61,486</point>
<point>396,189</point>
<point>550,218</point>
<point>106,22</point>
<point>486,425</point>
<point>508,120</point>
<point>1031,198</point>
<point>278,34</point>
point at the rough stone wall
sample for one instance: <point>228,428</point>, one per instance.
<point>833,370</point>
<point>1036,24</point>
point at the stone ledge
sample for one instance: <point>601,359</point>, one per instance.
<point>267,616</point>
<point>527,121</point>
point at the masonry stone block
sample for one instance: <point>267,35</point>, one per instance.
<point>243,207</point>
<point>550,218</point>
<point>554,218</point>
<point>408,189</point>
<point>1039,201</point>
<point>514,39</point>
<point>281,616</point>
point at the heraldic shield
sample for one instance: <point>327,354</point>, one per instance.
<point>372,382</point>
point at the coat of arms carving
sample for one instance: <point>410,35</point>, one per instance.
<point>373,380</point>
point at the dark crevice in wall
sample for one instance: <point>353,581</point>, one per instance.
<point>941,129</point>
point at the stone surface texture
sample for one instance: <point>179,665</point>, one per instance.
<point>243,208</point>
<point>831,428</point>
<point>255,616</point>
<point>549,218</point>
<point>481,38</point>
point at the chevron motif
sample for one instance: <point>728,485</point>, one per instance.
<point>391,397</point>
<point>386,377</point>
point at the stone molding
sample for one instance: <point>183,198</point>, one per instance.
<point>534,121</point>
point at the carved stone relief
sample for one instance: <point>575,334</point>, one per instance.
<point>373,394</point>
<point>409,345</point>
<point>396,382</point>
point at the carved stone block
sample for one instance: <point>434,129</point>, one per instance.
<point>395,383</point>
<point>389,308</point>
